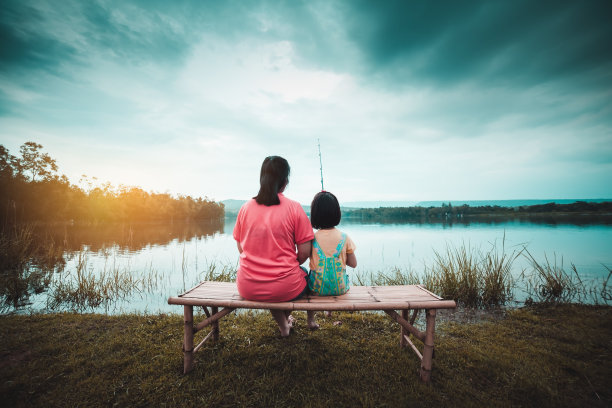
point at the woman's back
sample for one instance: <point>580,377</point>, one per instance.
<point>269,269</point>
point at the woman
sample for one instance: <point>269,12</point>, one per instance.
<point>274,238</point>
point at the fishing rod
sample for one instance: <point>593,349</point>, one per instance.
<point>320,164</point>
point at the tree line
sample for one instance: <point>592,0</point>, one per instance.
<point>32,190</point>
<point>450,212</point>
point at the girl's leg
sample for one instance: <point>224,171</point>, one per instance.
<point>281,320</point>
<point>312,324</point>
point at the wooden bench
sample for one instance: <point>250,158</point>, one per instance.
<point>387,298</point>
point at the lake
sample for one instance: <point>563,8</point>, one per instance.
<point>168,259</point>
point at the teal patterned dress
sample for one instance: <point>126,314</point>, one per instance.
<point>329,278</point>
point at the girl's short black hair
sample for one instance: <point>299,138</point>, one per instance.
<point>325,211</point>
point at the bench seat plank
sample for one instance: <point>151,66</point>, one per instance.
<point>225,294</point>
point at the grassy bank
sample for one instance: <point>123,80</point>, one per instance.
<point>538,356</point>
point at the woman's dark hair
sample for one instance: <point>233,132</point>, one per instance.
<point>274,176</point>
<point>325,211</point>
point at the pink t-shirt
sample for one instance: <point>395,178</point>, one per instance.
<point>269,270</point>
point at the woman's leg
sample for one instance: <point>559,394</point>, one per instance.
<point>281,320</point>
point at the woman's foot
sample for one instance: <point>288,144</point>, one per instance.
<point>283,322</point>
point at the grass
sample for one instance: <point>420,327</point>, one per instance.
<point>473,277</point>
<point>541,356</point>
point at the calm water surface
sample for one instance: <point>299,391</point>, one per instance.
<point>177,257</point>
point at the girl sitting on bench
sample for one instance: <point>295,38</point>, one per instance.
<point>332,251</point>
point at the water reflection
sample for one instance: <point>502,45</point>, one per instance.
<point>129,237</point>
<point>138,266</point>
<point>81,264</point>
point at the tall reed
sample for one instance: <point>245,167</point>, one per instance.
<point>606,292</point>
<point>472,277</point>
<point>84,288</point>
<point>395,276</point>
<point>550,282</point>
<point>219,271</point>
<point>27,264</point>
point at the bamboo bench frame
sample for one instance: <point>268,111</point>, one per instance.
<point>386,298</point>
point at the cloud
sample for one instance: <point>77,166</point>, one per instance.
<point>410,100</point>
<point>497,42</point>
<point>251,73</point>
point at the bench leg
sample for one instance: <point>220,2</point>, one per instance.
<point>428,349</point>
<point>215,325</point>
<point>403,331</point>
<point>188,339</point>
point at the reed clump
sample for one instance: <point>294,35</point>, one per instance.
<point>27,264</point>
<point>472,277</point>
<point>84,288</point>
<point>606,292</point>
<point>219,272</point>
<point>548,281</point>
<point>394,276</point>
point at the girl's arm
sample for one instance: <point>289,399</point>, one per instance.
<point>351,260</point>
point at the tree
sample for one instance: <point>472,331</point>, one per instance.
<point>7,162</point>
<point>35,163</point>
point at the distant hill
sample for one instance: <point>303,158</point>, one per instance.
<point>376,204</point>
<point>506,203</point>
<point>232,206</point>
<point>471,203</point>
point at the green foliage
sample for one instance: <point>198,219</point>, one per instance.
<point>31,190</point>
<point>33,163</point>
<point>449,213</point>
<point>532,357</point>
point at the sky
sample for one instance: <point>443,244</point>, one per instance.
<point>410,100</point>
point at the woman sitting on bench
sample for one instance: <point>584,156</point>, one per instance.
<point>274,238</point>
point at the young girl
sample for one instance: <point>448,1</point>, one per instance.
<point>332,251</point>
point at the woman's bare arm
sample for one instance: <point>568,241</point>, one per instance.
<point>239,247</point>
<point>303,251</point>
<point>351,260</point>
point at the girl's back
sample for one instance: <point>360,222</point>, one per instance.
<point>328,260</point>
